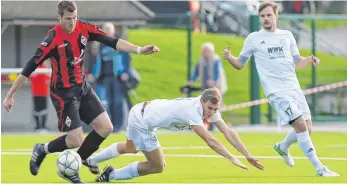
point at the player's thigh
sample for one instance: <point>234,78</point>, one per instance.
<point>286,107</point>
<point>143,140</point>
<point>303,106</point>
<point>67,112</point>
<point>91,106</point>
<point>305,109</point>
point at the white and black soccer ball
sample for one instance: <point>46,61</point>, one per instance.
<point>69,162</point>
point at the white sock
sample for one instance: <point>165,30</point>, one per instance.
<point>289,140</point>
<point>124,173</point>
<point>307,147</point>
<point>105,154</point>
<point>45,147</point>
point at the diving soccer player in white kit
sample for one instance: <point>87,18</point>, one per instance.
<point>276,57</point>
<point>175,114</point>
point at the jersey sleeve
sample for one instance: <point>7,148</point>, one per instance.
<point>96,34</point>
<point>247,50</point>
<point>193,116</point>
<point>43,52</point>
<point>294,48</point>
<point>195,121</point>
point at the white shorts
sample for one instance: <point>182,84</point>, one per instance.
<point>290,105</point>
<point>143,137</point>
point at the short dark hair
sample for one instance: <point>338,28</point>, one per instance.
<point>66,5</point>
<point>211,94</point>
<point>266,4</point>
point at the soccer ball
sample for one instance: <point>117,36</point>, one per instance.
<point>69,162</point>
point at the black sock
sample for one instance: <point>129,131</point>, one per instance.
<point>57,145</point>
<point>43,120</point>
<point>37,122</point>
<point>90,144</point>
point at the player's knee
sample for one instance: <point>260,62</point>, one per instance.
<point>309,130</point>
<point>299,125</point>
<point>159,168</point>
<point>106,128</point>
<point>309,126</point>
<point>102,125</point>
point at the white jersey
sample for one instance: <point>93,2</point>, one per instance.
<point>274,54</point>
<point>175,114</point>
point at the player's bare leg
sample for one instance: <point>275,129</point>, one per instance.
<point>307,147</point>
<point>112,151</point>
<point>282,148</point>
<point>155,164</point>
<point>102,128</point>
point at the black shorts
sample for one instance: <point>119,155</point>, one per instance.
<point>76,104</point>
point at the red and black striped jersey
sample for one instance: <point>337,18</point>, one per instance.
<point>66,52</point>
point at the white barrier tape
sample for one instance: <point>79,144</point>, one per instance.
<point>225,108</point>
<point>19,70</point>
<point>306,92</point>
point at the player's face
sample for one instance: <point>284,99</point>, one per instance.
<point>268,18</point>
<point>68,21</point>
<point>209,109</point>
<point>206,53</point>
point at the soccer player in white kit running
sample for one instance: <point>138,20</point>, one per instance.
<point>175,114</point>
<point>276,56</point>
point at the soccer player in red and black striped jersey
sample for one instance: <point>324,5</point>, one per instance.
<point>72,97</point>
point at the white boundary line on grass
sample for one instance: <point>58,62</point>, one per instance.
<point>187,147</point>
<point>192,156</point>
<point>197,183</point>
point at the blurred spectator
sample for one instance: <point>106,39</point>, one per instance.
<point>298,7</point>
<point>127,77</point>
<point>210,70</point>
<point>111,72</point>
<point>40,92</point>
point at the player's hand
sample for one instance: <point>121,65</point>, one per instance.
<point>255,162</point>
<point>227,53</point>
<point>315,61</point>
<point>149,49</point>
<point>8,103</point>
<point>238,163</point>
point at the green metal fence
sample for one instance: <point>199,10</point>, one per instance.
<point>255,114</point>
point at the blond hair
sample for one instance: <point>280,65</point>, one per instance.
<point>266,4</point>
<point>211,94</point>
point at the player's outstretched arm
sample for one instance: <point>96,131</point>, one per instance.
<point>126,46</point>
<point>234,61</point>
<point>214,144</point>
<point>96,34</point>
<point>235,140</point>
<point>302,62</point>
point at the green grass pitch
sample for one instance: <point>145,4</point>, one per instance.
<point>189,160</point>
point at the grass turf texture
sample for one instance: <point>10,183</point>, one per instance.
<point>188,165</point>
